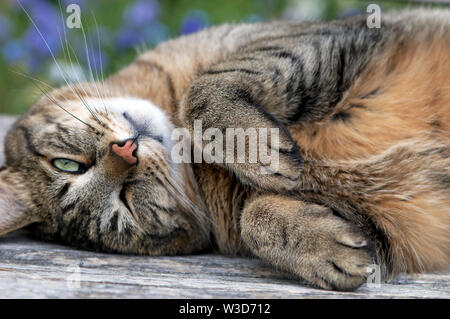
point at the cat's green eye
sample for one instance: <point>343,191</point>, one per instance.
<point>68,166</point>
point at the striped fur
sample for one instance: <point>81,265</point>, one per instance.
<point>364,152</point>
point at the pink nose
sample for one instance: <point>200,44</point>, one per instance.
<point>125,151</point>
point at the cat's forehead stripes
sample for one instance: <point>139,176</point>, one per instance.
<point>123,118</point>
<point>54,138</point>
<point>57,130</point>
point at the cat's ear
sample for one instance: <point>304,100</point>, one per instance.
<point>13,211</point>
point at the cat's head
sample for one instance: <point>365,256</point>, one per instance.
<point>97,173</point>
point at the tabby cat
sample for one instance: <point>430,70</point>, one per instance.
<point>364,150</point>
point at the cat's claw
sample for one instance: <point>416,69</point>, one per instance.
<point>344,258</point>
<point>308,240</point>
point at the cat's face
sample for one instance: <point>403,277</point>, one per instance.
<point>100,179</point>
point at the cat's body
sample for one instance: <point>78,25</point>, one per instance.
<point>364,119</point>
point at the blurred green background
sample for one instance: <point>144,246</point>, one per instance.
<point>115,30</point>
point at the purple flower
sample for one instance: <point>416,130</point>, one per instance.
<point>98,60</point>
<point>34,63</point>
<point>66,3</point>
<point>48,25</point>
<point>46,16</point>
<point>42,12</point>
<point>141,13</point>
<point>194,21</point>
<point>128,38</point>
<point>36,44</point>
<point>18,4</point>
<point>13,51</point>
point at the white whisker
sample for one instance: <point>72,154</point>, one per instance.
<point>89,64</point>
<point>51,53</point>
<point>176,189</point>
<point>52,99</point>
<point>101,61</point>
<point>67,46</point>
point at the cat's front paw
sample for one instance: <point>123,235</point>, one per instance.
<point>342,260</point>
<point>281,171</point>
<point>309,241</point>
<point>244,137</point>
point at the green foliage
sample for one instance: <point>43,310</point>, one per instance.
<point>122,31</point>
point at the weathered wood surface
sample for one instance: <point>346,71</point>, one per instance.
<point>33,269</point>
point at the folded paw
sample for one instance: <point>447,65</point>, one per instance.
<point>253,144</point>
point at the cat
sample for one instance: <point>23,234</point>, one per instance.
<point>363,116</point>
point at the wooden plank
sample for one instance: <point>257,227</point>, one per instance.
<point>30,269</point>
<point>34,269</point>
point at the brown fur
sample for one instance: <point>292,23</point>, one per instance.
<point>403,112</point>
<point>364,153</point>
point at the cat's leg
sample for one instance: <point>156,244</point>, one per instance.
<point>307,240</point>
<point>273,85</point>
<point>225,102</point>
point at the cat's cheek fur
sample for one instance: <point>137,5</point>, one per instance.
<point>13,208</point>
